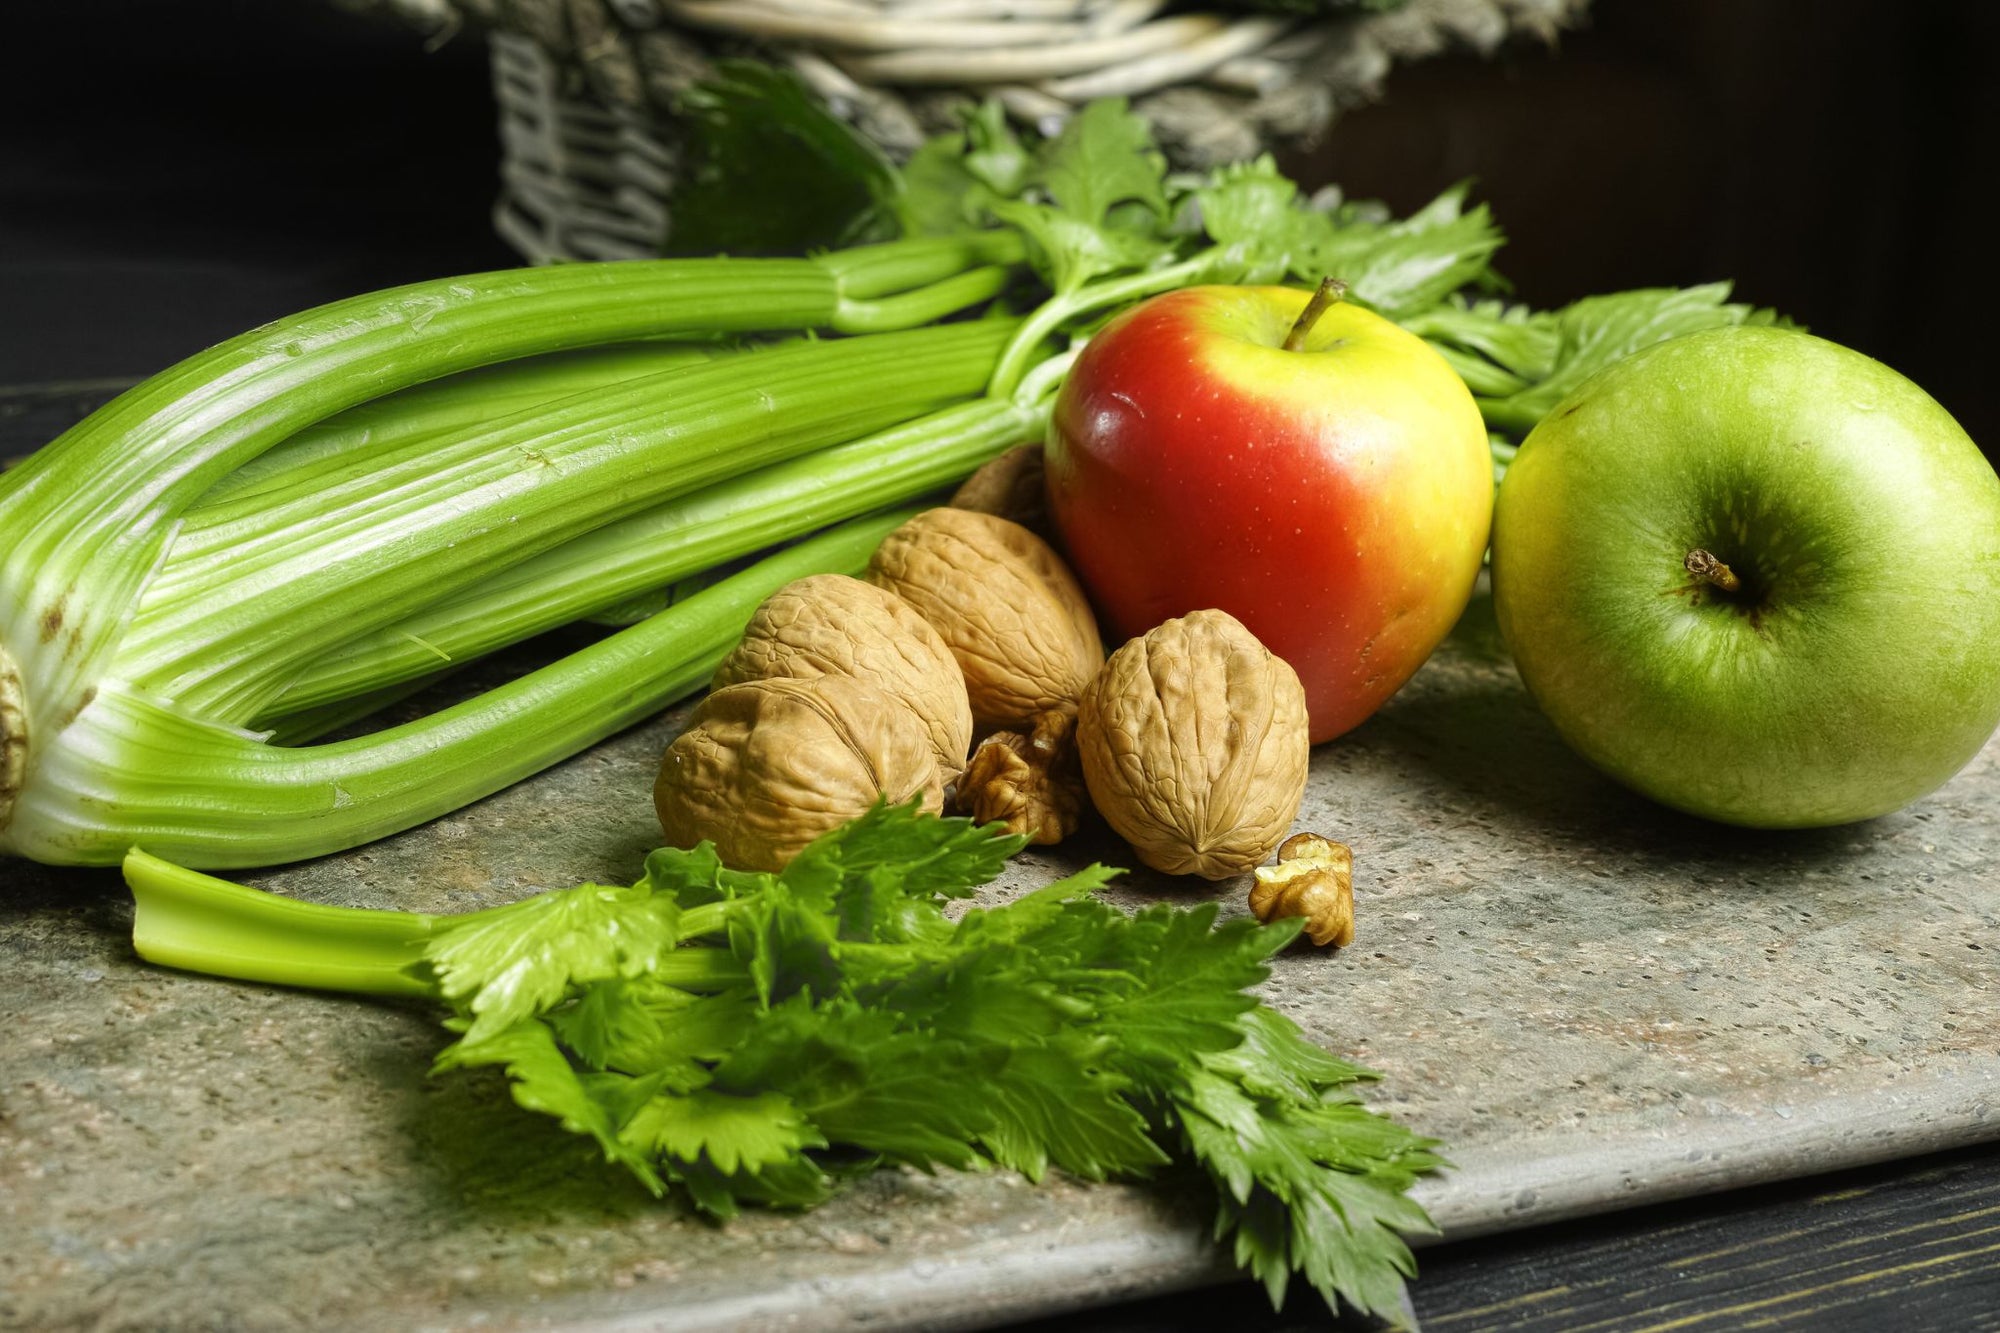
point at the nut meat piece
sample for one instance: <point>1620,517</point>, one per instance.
<point>830,624</point>
<point>1194,746</point>
<point>1005,604</point>
<point>766,766</point>
<point>1314,878</point>
<point>1028,781</point>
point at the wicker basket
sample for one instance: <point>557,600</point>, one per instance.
<point>587,88</point>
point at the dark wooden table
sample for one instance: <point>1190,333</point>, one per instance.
<point>1910,1245</point>
<point>212,189</point>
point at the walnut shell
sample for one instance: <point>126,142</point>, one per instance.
<point>766,766</point>
<point>1013,486</point>
<point>1004,603</point>
<point>830,624</point>
<point>1194,744</point>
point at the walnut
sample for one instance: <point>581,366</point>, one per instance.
<point>1314,878</point>
<point>766,766</point>
<point>1028,781</point>
<point>1012,486</point>
<point>1194,746</point>
<point>1020,627</point>
<point>830,624</point>
<point>1006,605</point>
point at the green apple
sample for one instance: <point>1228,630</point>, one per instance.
<point>1756,576</point>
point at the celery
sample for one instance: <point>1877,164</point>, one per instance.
<point>748,1037</point>
<point>133,769</point>
<point>87,520</point>
<point>656,547</point>
<point>427,411</point>
<point>146,611</point>
<point>306,725</point>
<point>198,923</point>
<point>234,615</point>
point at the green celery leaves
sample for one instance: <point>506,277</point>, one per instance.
<point>1396,267</point>
<point>1521,363</point>
<point>772,171</point>
<point>746,1036</point>
<point>503,967</point>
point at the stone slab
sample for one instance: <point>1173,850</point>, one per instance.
<point>1594,1002</point>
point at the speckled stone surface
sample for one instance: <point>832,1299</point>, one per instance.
<point>1593,1001</point>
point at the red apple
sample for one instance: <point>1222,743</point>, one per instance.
<point>1334,498</point>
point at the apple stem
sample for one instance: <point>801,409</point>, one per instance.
<point>1711,571</point>
<point>1330,291</point>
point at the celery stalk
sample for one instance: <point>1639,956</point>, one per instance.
<point>385,427</point>
<point>135,769</point>
<point>224,627</point>
<point>182,918</point>
<point>654,548</point>
<point>309,724</point>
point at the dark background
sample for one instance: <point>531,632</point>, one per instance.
<point>172,173</point>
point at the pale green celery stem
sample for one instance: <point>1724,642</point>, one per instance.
<point>221,636</point>
<point>1040,384</point>
<point>1516,414</point>
<point>387,425</point>
<point>869,272</point>
<point>211,550</point>
<point>83,521</point>
<point>926,304</point>
<point>661,545</point>
<point>135,770</point>
<point>651,601</point>
<point>427,410</point>
<point>195,922</point>
<point>1058,310</point>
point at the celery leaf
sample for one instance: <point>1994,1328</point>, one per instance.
<point>848,1021</point>
<point>1104,156</point>
<point>1520,364</point>
<point>771,171</point>
<point>1410,264</point>
<point>544,1080</point>
<point>921,855</point>
<point>507,965</point>
<point>734,1131</point>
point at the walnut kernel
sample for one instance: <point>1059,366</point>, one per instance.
<point>1314,878</point>
<point>1028,781</point>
